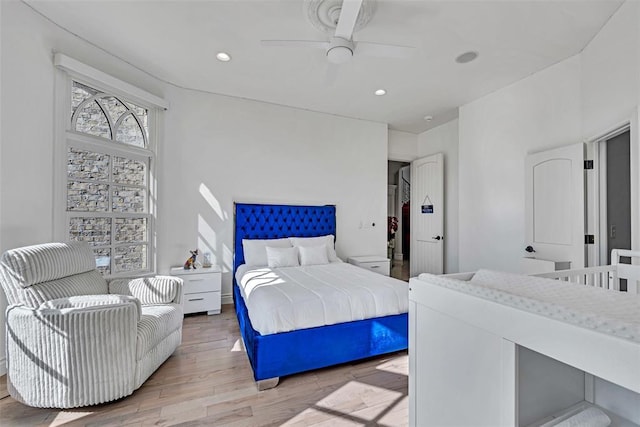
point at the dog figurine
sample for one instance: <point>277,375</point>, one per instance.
<point>191,262</point>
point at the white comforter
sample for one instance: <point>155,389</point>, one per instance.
<point>286,299</point>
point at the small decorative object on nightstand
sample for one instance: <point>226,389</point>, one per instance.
<point>201,290</point>
<point>191,262</point>
<point>378,264</point>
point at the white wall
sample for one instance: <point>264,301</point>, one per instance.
<point>26,113</point>
<point>610,81</point>
<point>407,147</point>
<point>221,149</point>
<point>611,91</point>
<point>496,133</point>
<point>403,146</point>
<point>444,139</point>
<point>28,43</point>
<point>216,150</point>
<point>574,100</point>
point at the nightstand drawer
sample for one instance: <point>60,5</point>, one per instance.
<point>201,289</point>
<point>204,301</point>
<point>208,282</point>
<point>373,263</point>
<point>378,267</point>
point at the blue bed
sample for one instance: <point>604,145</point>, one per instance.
<point>275,355</point>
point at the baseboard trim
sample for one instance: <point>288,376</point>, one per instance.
<point>227,299</point>
<point>3,366</point>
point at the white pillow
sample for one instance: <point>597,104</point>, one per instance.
<point>313,255</point>
<point>282,257</point>
<point>255,252</point>
<point>318,241</point>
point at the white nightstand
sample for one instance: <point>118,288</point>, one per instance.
<point>378,264</point>
<point>201,289</point>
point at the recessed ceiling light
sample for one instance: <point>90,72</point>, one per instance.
<point>380,92</point>
<point>223,56</point>
<point>428,118</point>
<point>466,57</point>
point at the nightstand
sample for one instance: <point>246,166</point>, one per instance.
<point>201,289</point>
<point>377,264</point>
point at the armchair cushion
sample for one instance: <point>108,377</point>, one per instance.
<point>158,321</point>
<point>88,302</point>
<point>88,283</point>
<point>149,290</point>
<point>31,265</point>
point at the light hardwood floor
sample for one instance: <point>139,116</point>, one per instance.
<point>400,269</point>
<point>208,381</point>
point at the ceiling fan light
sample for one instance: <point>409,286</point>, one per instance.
<point>339,54</point>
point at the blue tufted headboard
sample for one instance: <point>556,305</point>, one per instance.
<point>259,221</point>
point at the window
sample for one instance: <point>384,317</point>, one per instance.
<point>108,163</point>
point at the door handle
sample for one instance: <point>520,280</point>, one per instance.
<point>529,249</point>
<point>438,238</point>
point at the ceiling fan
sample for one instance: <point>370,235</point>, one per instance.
<point>345,16</point>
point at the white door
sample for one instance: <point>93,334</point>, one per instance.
<point>427,215</point>
<point>554,204</point>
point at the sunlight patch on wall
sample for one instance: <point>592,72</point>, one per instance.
<point>227,259</point>
<point>207,240</point>
<point>211,200</point>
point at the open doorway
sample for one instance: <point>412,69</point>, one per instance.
<point>615,193</point>
<point>398,211</point>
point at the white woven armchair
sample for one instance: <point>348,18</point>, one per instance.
<point>75,340</point>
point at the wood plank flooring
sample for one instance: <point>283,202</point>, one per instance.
<point>208,382</point>
<point>400,269</point>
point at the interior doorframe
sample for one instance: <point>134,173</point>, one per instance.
<point>400,256</point>
<point>596,189</point>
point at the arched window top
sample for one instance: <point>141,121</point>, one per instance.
<point>129,130</point>
<point>90,119</point>
<point>114,106</point>
<point>106,116</point>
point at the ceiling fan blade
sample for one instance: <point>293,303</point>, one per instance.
<point>384,50</point>
<point>347,20</point>
<point>296,43</point>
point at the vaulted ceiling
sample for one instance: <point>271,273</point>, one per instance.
<point>177,41</point>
